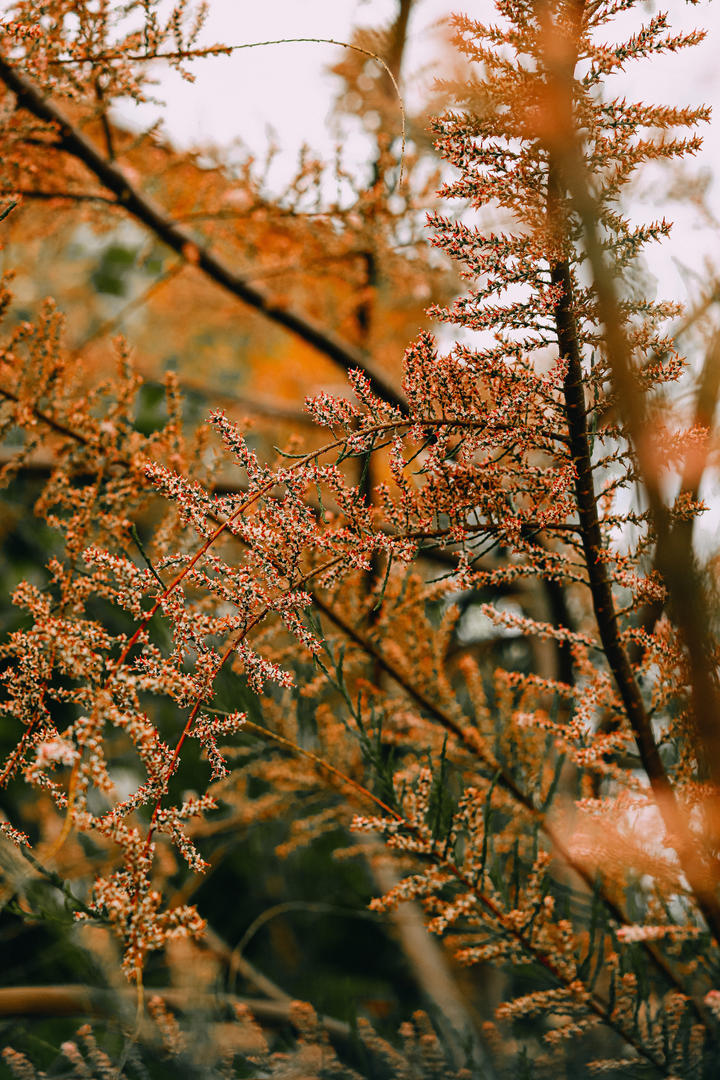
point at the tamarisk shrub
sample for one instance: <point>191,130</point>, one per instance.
<point>552,809</point>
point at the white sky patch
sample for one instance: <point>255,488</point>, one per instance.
<point>284,89</point>
<point>288,90</point>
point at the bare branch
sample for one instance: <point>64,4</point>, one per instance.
<point>187,244</point>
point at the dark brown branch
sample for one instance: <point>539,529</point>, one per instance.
<point>394,58</point>
<point>677,564</point>
<point>592,541</point>
<point>145,210</point>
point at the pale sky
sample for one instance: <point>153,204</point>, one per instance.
<point>287,88</point>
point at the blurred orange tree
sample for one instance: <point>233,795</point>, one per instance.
<point>455,650</point>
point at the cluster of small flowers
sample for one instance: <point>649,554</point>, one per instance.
<point>138,917</point>
<point>259,670</point>
<point>563,1001</point>
<point>333,413</point>
<point>381,411</point>
<point>194,505</point>
<point>119,579</point>
<point>631,935</point>
<point>174,1039</point>
<point>712,1000</point>
<point>414,887</point>
<point>207,729</point>
<point>91,1060</point>
<point>462,908</point>
<point>55,751</point>
<point>236,445</point>
<point>513,621</point>
<point>21,30</point>
<point>169,820</point>
<point>19,1065</point>
<point>15,836</point>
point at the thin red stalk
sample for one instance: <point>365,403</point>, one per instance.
<point>233,643</point>
<point>222,527</point>
<point>235,639</point>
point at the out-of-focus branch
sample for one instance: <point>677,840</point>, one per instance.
<point>76,1000</point>
<point>706,399</point>
<point>675,562</point>
<point>675,558</point>
<point>432,969</point>
<point>187,244</point>
<point>690,319</point>
<point>48,195</point>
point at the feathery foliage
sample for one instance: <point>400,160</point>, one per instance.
<point>545,791</point>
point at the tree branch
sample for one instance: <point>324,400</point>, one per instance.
<point>78,1000</point>
<point>145,210</point>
